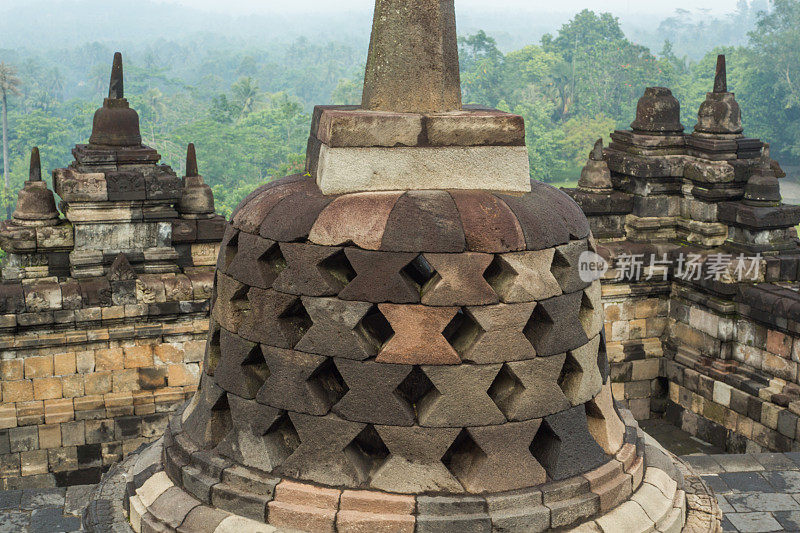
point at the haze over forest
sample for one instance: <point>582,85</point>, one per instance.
<point>241,84</point>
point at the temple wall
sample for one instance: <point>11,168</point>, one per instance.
<point>87,379</point>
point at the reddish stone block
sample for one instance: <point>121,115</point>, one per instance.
<point>250,215</point>
<point>424,221</point>
<point>489,225</point>
<point>359,218</point>
<point>418,337</point>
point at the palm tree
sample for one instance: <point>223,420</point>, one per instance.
<point>246,95</point>
<point>9,84</point>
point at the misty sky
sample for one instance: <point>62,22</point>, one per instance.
<point>619,7</point>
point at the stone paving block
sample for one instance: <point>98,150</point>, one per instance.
<point>776,461</point>
<point>529,389</point>
<point>704,464</point>
<point>459,280</point>
<point>739,463</point>
<point>783,481</point>
<point>580,378</point>
<point>790,520</point>
<point>761,501</point>
<point>257,261</point>
<point>564,446</point>
<point>39,498</point>
<point>437,514</point>
<point>300,382</point>
<point>461,397</point>
<point>371,396</point>
<point>10,499</point>
<point>496,458</point>
<point>555,325</point>
<point>173,506</point>
<point>274,318</point>
<point>408,468</point>
<point>203,519</point>
<point>518,511</point>
<point>380,277</point>
<point>418,335</point>
<point>523,276</point>
<point>325,454</point>
<point>239,502</point>
<point>313,270</point>
<point>51,519</point>
<point>753,522</point>
<point>745,481</point>
<point>239,524</point>
<point>424,221</point>
<point>337,329</point>
<point>497,325</point>
<point>604,423</point>
<point>500,232</point>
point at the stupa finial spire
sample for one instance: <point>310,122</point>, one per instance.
<point>597,151</point>
<point>191,161</point>
<point>412,64</point>
<point>116,89</point>
<point>35,173</point>
<point>721,76</point>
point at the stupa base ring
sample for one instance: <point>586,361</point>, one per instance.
<point>169,487</point>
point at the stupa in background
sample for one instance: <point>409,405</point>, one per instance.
<point>401,341</point>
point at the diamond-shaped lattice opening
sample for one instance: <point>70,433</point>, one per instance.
<point>499,274</point>
<point>213,350</point>
<point>367,452</point>
<point>538,327</point>
<point>296,318</point>
<point>420,271</point>
<point>328,383</point>
<point>464,456</point>
<point>462,332</point>
<point>339,268</point>
<point>546,447</point>
<point>571,375</point>
<point>505,389</point>
<point>375,328</point>
<point>281,440</point>
<point>418,390</point>
<point>231,249</point>
<point>271,264</point>
<point>254,370</point>
<point>219,421</point>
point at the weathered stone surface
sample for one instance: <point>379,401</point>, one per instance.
<point>580,378</point>
<point>564,445</point>
<point>555,325</point>
<point>253,211</point>
<point>380,277</point>
<point>412,63</point>
<point>262,437</point>
<point>496,458</point>
<point>603,422</point>
<point>418,335</point>
<point>475,127</point>
<point>359,218</point>
<point>492,168</point>
<point>496,325</point>
<point>424,221</point>
<point>565,266</point>
<point>461,398</point>
<point>371,396</point>
<point>273,318</point>
<point>256,261</point>
<point>241,368</point>
<point>489,225</point>
<point>518,511</point>
<point>411,468</point>
<point>300,382</point>
<point>591,313</point>
<point>313,270</point>
<point>339,329</point>
<point>340,126</point>
<point>438,514</point>
<point>523,276</point>
<point>292,217</point>
<point>529,389</point>
<point>459,280</point>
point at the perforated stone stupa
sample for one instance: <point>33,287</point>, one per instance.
<point>421,358</point>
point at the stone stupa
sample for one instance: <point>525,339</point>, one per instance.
<point>400,338</point>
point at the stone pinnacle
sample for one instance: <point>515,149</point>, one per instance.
<point>116,88</point>
<point>35,173</point>
<point>191,161</point>
<point>721,77</point>
<point>597,151</point>
<point>412,64</point>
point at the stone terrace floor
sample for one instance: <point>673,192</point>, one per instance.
<point>757,492</point>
